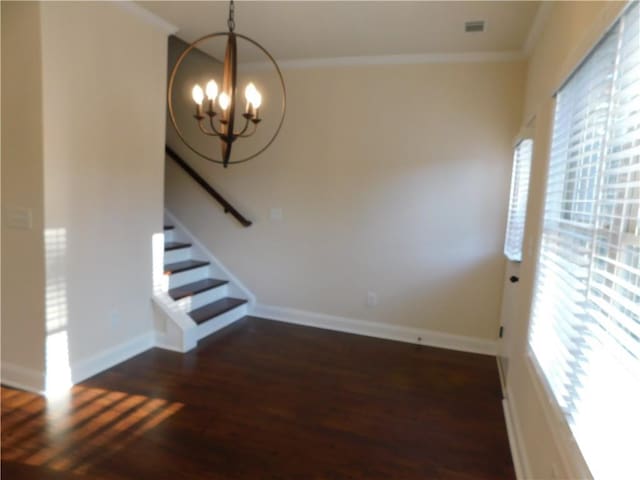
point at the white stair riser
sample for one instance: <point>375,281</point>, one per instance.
<point>169,235</point>
<point>201,299</point>
<point>177,255</point>
<point>189,276</point>
<point>221,321</point>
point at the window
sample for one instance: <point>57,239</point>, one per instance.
<point>518,200</point>
<point>585,328</point>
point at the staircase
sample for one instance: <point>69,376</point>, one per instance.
<point>196,295</point>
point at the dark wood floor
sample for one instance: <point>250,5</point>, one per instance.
<point>267,400</point>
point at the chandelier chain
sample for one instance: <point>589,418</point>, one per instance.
<point>231,23</point>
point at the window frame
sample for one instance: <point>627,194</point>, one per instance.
<point>525,136</point>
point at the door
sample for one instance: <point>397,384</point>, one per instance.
<point>508,317</point>
<point>514,238</point>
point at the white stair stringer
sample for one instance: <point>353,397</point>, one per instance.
<point>175,329</point>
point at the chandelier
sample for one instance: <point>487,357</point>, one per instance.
<point>216,116</point>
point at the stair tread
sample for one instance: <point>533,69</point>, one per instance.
<point>196,287</point>
<point>202,314</point>
<point>169,227</point>
<point>175,245</point>
<point>178,267</point>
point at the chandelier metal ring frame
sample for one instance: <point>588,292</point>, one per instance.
<point>170,95</point>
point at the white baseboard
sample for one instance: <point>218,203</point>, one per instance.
<point>34,381</point>
<point>163,343</point>
<point>23,378</point>
<point>569,462</point>
<point>516,442</point>
<point>502,375</point>
<point>399,333</point>
<point>112,356</point>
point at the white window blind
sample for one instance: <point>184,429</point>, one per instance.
<point>585,329</point>
<point>518,200</point>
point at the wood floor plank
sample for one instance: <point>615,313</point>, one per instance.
<point>267,400</point>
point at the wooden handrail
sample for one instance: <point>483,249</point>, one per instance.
<point>228,208</point>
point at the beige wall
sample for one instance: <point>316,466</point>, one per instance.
<point>104,82</point>
<point>23,276</point>
<point>571,30</point>
<point>391,179</point>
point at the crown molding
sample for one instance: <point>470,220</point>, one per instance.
<point>403,59</point>
<point>146,16</point>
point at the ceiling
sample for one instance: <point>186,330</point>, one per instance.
<point>303,30</point>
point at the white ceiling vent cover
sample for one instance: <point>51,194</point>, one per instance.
<point>474,26</point>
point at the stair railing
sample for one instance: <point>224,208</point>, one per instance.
<point>228,208</point>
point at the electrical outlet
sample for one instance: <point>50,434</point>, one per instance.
<point>372,299</point>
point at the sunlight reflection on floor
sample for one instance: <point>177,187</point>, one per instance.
<point>71,434</point>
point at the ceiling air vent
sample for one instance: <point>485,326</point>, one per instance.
<point>474,26</point>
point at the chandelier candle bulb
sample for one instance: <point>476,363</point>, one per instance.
<point>249,94</point>
<point>198,96</point>
<point>212,90</point>
<point>257,100</point>
<point>224,100</point>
